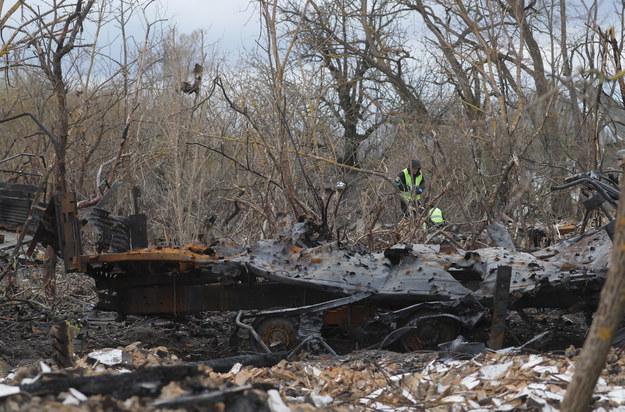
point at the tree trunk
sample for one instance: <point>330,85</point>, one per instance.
<point>609,315</point>
<point>49,272</point>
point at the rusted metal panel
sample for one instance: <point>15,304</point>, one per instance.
<point>181,298</point>
<point>152,254</point>
<point>350,315</point>
<point>68,230</point>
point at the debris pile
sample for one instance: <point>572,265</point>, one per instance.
<point>139,378</point>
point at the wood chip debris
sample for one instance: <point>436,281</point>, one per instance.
<point>372,380</point>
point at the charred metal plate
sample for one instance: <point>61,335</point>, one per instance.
<point>421,273</point>
<point>15,204</point>
<point>181,298</point>
<point>68,230</point>
<point>138,231</point>
<point>113,232</point>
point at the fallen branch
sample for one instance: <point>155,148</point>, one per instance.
<point>201,400</point>
<point>262,360</point>
<point>40,308</point>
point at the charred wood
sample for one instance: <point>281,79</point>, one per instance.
<point>500,307</point>
<point>147,381</point>
<point>263,360</point>
<point>61,337</point>
<point>239,398</point>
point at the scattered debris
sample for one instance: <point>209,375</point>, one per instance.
<point>110,357</point>
<point>256,360</point>
<point>377,380</point>
<point>600,193</point>
<point>459,348</point>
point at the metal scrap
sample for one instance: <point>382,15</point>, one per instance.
<point>15,204</point>
<point>422,273</point>
<point>600,192</point>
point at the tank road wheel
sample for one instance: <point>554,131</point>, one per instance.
<point>429,333</point>
<point>278,333</point>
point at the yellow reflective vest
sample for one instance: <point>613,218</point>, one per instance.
<point>436,215</point>
<point>410,195</point>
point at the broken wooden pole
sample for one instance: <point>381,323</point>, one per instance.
<point>61,339</point>
<point>500,307</point>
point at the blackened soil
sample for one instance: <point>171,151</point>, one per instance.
<point>191,338</point>
<point>563,328</point>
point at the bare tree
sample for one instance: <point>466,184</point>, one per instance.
<point>70,72</point>
<point>58,39</point>
<point>337,36</point>
<point>50,53</point>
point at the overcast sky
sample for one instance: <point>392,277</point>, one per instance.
<point>233,22</point>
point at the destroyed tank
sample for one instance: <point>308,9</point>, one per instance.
<point>285,293</point>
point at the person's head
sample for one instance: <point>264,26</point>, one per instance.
<point>415,166</point>
<point>620,158</point>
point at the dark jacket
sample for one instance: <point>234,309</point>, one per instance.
<point>400,180</point>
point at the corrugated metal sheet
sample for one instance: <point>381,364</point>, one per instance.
<point>15,203</point>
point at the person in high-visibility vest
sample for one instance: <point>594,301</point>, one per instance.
<point>436,217</point>
<point>410,183</point>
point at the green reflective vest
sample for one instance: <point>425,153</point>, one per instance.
<point>436,215</point>
<point>409,196</point>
